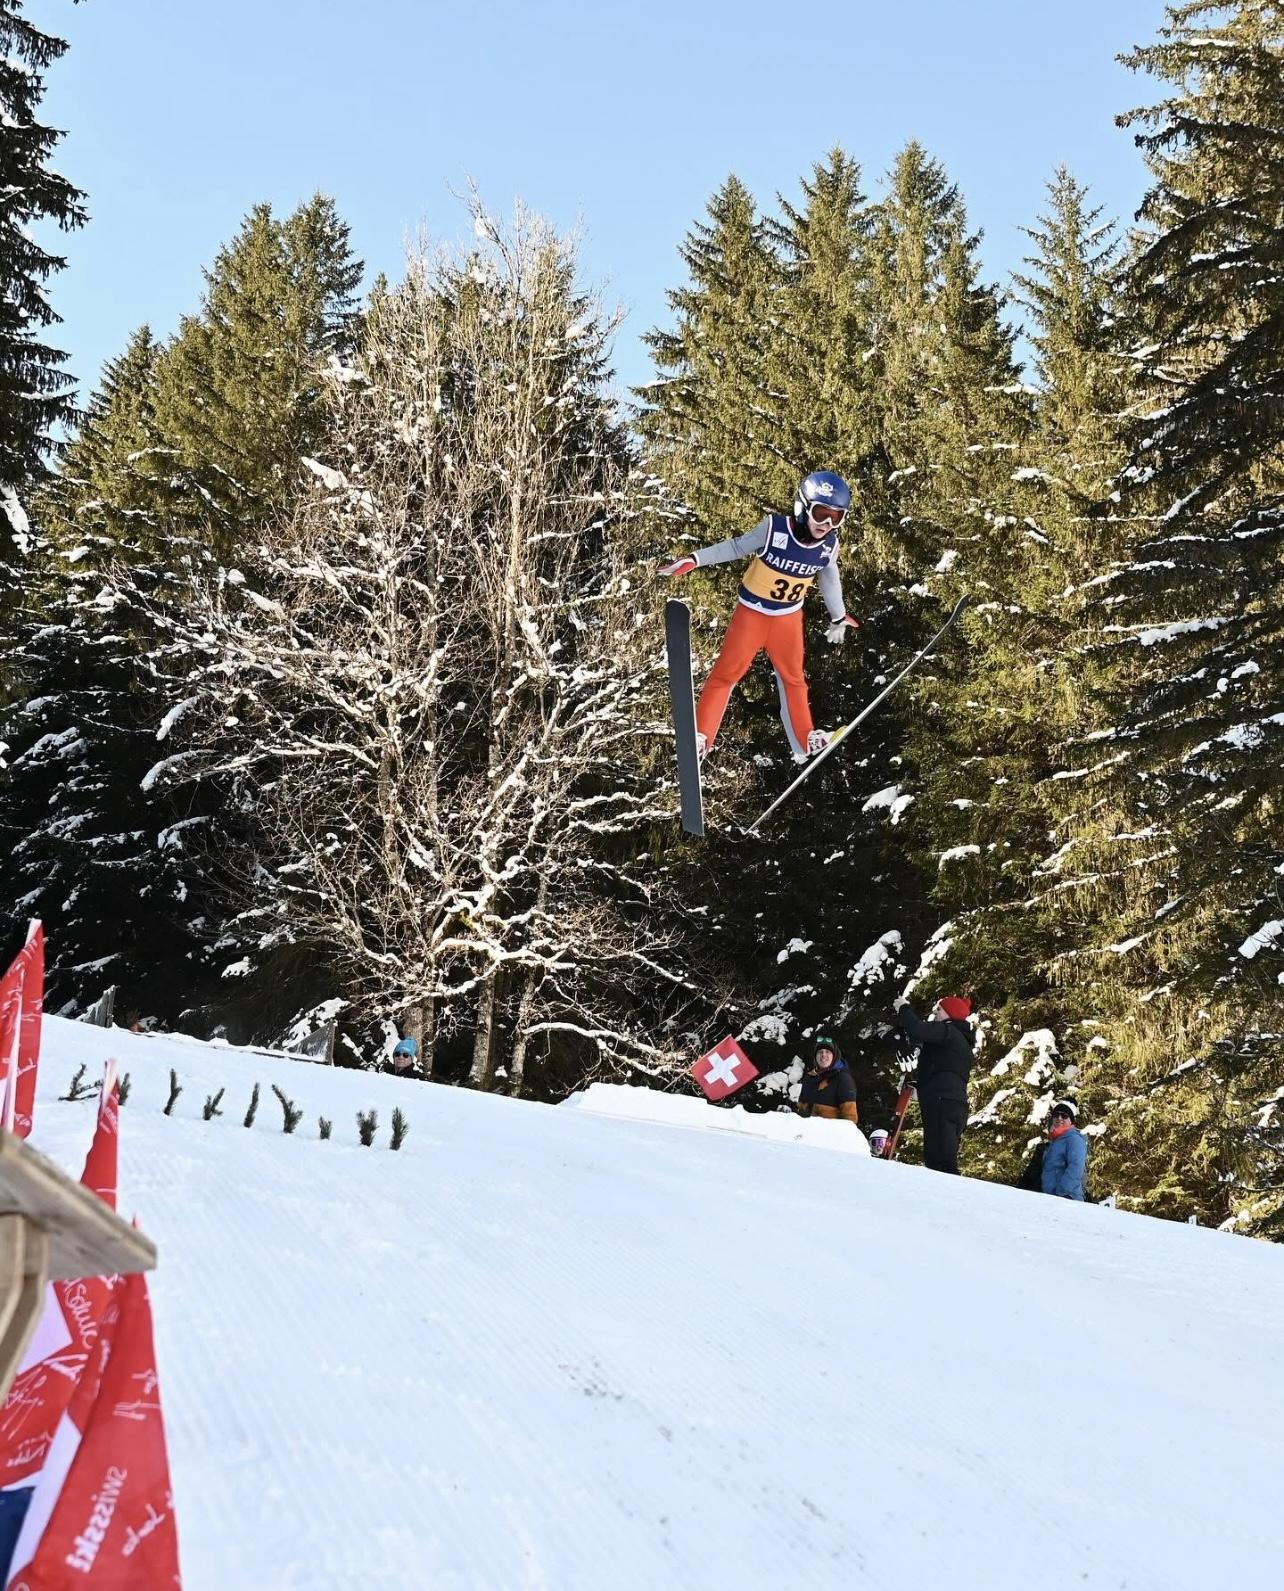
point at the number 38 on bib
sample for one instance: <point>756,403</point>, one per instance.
<point>779,578</point>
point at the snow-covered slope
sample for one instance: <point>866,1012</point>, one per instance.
<point>538,1347</point>
<point>684,1110</point>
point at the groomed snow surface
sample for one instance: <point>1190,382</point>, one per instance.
<point>554,1348</point>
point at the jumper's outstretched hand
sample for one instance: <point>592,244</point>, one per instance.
<point>836,634</point>
<point>679,567</point>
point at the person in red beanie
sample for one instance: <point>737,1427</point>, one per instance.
<point>945,1044</point>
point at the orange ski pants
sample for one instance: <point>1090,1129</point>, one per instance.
<point>780,635</point>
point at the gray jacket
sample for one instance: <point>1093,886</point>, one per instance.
<point>752,543</point>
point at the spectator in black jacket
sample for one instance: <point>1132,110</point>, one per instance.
<point>827,1086</point>
<point>945,1046</point>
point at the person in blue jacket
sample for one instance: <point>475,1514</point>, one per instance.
<point>1066,1158</point>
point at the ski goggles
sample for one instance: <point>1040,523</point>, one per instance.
<point>826,514</point>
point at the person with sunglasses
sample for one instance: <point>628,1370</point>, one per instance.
<point>1065,1160</point>
<point>790,553</point>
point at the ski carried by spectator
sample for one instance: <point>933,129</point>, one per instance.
<point>903,1101</point>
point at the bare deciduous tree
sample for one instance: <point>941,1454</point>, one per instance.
<point>436,688</point>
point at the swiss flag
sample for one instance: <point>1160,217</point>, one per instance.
<point>103,1513</point>
<point>723,1070</point>
<point>22,997</point>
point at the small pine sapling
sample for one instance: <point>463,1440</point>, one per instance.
<point>326,1127</point>
<point>78,1089</point>
<point>254,1107</point>
<point>289,1110</point>
<point>212,1103</point>
<point>175,1089</point>
<point>122,1089</point>
<point>400,1127</point>
<point>367,1126</point>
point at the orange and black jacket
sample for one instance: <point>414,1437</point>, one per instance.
<point>828,1093</point>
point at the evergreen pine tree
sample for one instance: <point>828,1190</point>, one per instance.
<point>238,397</point>
<point>1196,615</point>
<point>952,419</point>
<point>35,391</point>
<point>818,365</point>
<point>951,410</point>
<point>102,506</point>
<point>1210,576</point>
<point>709,421</point>
<point>1039,689</point>
<point>120,867</point>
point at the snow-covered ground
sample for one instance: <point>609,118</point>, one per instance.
<point>685,1110</point>
<point>548,1347</point>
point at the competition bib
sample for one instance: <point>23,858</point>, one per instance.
<point>782,574</point>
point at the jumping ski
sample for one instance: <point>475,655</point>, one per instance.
<point>841,734</point>
<point>677,645</point>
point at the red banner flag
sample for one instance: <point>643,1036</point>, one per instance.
<point>10,1039</point>
<point>56,1357</point>
<point>102,1163</point>
<point>111,1525</point>
<point>723,1070</point>
<point>22,998</point>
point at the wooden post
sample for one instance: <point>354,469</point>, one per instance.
<point>24,1267</point>
<point>51,1229</point>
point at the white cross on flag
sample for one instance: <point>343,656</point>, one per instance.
<point>723,1070</point>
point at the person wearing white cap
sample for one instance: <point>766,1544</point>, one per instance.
<point>1066,1158</point>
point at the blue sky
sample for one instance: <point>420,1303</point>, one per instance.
<point>181,114</point>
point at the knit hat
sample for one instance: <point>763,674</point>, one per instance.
<point>825,1043</point>
<point>956,1006</point>
<point>1066,1107</point>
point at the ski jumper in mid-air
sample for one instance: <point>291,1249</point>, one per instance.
<point>790,553</point>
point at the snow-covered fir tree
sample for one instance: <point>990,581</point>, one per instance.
<point>710,418</point>
<point>818,369</point>
<point>914,372</point>
<point>240,395</point>
<point>83,847</point>
<point>1196,618</point>
<point>119,865</point>
<point>35,390</point>
<point>101,505</point>
<point>1029,698</point>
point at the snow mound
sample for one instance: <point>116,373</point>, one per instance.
<point>682,1110</point>
<point>545,1347</point>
